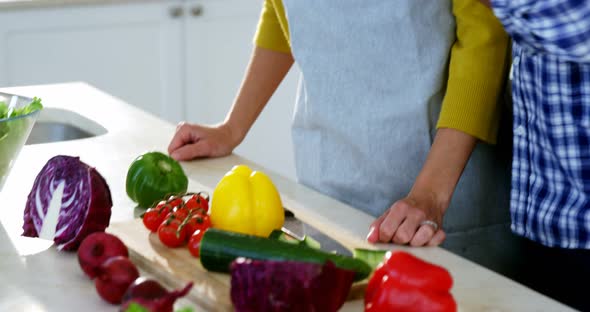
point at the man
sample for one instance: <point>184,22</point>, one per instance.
<point>550,198</point>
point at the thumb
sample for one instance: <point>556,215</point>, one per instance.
<point>373,236</point>
<point>192,151</point>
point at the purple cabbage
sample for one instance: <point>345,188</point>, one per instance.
<point>265,285</point>
<point>84,207</point>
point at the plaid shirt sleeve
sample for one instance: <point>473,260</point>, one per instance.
<point>557,27</point>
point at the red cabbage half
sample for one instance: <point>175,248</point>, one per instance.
<point>268,285</point>
<point>69,201</point>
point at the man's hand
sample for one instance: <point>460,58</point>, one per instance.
<point>403,224</point>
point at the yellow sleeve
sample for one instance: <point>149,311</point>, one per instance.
<point>477,72</point>
<point>272,32</point>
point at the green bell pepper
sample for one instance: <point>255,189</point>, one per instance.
<point>153,177</point>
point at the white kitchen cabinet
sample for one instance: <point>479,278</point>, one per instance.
<point>177,59</point>
<point>219,42</point>
<point>133,51</point>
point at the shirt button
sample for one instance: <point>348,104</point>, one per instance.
<point>516,61</point>
<point>520,131</point>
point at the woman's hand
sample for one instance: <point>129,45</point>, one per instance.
<point>265,72</point>
<point>403,224</point>
<point>195,141</point>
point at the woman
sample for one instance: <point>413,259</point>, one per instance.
<point>375,78</point>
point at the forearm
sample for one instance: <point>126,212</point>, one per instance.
<point>265,72</point>
<point>444,165</point>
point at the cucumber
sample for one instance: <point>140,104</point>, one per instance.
<point>280,235</point>
<point>219,248</point>
<point>372,257</point>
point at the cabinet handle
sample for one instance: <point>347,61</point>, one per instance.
<point>197,11</point>
<point>176,12</point>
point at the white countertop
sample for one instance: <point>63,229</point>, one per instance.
<point>35,277</point>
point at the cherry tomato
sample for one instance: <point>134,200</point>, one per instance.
<point>204,201</point>
<point>180,214</point>
<point>171,233</point>
<point>176,202</point>
<point>197,202</point>
<point>194,243</point>
<point>192,203</point>
<point>155,216</point>
<point>197,222</point>
<point>150,220</point>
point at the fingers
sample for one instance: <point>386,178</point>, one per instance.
<point>373,236</point>
<point>401,224</point>
<point>409,228</point>
<point>395,216</point>
<point>438,238</point>
<point>178,139</point>
<point>184,134</point>
<point>192,151</point>
<point>423,236</point>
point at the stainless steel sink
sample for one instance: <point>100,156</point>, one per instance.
<point>47,132</point>
<point>57,125</point>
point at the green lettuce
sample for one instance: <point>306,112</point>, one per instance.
<point>27,109</point>
<point>14,133</point>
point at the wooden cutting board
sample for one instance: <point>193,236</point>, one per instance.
<point>175,267</point>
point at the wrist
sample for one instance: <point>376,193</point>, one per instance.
<point>235,133</point>
<point>437,197</point>
<point>442,170</point>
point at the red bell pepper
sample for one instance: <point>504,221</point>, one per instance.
<point>406,283</point>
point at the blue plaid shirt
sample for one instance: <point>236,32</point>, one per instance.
<point>550,198</point>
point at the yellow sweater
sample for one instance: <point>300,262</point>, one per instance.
<point>477,65</point>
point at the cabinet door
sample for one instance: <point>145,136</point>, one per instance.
<point>219,42</point>
<point>132,51</point>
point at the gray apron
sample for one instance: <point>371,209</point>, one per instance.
<point>373,79</point>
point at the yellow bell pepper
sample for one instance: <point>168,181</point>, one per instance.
<point>247,201</point>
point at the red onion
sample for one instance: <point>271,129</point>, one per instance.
<point>96,248</point>
<point>115,276</point>
<point>152,296</point>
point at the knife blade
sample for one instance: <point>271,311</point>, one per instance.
<point>298,229</point>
